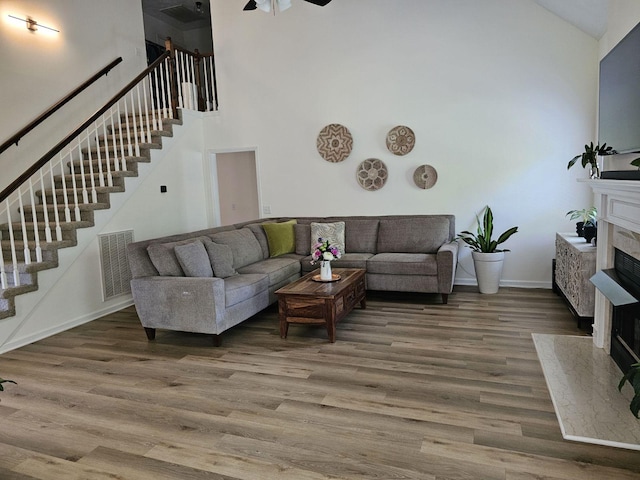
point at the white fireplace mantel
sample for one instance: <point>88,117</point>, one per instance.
<point>618,204</point>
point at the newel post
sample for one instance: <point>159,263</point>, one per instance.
<point>168,44</point>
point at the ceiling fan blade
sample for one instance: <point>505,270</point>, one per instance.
<point>320,3</point>
<point>250,6</point>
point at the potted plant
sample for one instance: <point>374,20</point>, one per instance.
<point>587,218</point>
<point>487,258</point>
<point>633,375</point>
<point>590,157</point>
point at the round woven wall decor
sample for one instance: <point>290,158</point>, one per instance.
<point>400,140</point>
<point>372,174</point>
<point>334,143</point>
<point>425,176</point>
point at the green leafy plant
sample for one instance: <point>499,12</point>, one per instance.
<point>481,241</point>
<point>633,375</point>
<point>590,155</point>
<point>587,215</point>
<point>636,163</point>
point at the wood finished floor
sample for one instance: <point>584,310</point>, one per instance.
<point>412,389</point>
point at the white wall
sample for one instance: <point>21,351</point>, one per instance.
<point>500,94</point>
<point>37,69</point>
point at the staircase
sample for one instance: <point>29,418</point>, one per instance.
<point>41,211</point>
<point>94,181</point>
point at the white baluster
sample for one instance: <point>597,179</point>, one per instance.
<point>180,77</point>
<point>127,127</point>
<point>106,152</point>
<point>3,272</point>
<point>36,231</point>
<point>167,83</point>
<point>67,211</point>
<point>74,185</point>
<point>159,107</point>
<point>136,143</point>
<point>146,109</point>
<point>12,244</point>
<point>55,201</point>
<point>143,135</point>
<point>115,150</point>
<point>45,209</point>
<point>206,85</point>
<point>23,222</point>
<point>92,180</point>
<point>120,136</point>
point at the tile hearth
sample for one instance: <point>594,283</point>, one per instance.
<point>583,382</point>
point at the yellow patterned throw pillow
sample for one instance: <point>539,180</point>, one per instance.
<point>281,237</point>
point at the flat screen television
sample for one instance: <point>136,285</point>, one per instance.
<point>619,117</point>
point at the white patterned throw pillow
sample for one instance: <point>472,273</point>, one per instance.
<point>334,232</point>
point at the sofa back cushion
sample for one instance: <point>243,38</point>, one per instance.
<point>303,238</point>
<point>244,246</point>
<point>193,259</point>
<point>361,235</point>
<point>164,258</point>
<point>412,235</point>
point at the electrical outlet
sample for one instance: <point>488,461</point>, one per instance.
<point>266,209</point>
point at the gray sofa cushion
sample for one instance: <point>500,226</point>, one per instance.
<point>276,268</point>
<point>403,264</point>
<point>193,259</point>
<point>220,258</point>
<point>164,258</point>
<point>303,238</point>
<point>352,260</point>
<point>412,235</point>
<point>244,246</point>
<point>361,236</point>
<point>334,232</point>
<point>258,231</point>
<point>239,288</point>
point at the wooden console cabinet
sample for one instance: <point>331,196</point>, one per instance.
<point>575,264</point>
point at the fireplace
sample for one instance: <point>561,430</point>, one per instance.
<point>625,325</point>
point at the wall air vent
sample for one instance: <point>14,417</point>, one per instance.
<point>116,275</point>
<point>182,13</point>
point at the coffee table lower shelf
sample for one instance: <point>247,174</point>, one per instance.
<point>307,302</point>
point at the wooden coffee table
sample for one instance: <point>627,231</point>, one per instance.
<point>321,303</point>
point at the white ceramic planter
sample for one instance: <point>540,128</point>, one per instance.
<point>488,270</point>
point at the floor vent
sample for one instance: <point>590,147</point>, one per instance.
<point>116,275</point>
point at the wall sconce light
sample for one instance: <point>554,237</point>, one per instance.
<point>32,25</point>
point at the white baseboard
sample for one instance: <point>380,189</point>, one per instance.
<point>506,283</point>
<point>21,342</point>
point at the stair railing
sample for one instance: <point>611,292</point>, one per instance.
<point>73,174</point>
<point>79,168</point>
<point>196,87</point>
<point>57,106</point>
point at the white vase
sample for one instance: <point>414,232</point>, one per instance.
<point>325,270</point>
<point>488,270</point>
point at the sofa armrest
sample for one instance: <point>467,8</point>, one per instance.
<point>447,259</point>
<point>189,304</point>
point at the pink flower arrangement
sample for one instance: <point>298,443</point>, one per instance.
<point>323,251</point>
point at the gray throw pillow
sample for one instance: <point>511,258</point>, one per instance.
<point>244,246</point>
<point>164,258</point>
<point>221,258</point>
<point>194,260</point>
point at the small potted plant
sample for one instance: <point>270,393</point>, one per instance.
<point>487,258</point>
<point>324,252</point>
<point>590,157</point>
<point>633,375</point>
<point>587,218</point>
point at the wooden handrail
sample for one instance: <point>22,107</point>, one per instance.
<point>69,138</point>
<point>51,110</point>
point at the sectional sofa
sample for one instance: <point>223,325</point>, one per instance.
<point>210,280</point>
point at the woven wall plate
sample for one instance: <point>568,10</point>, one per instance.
<point>400,140</point>
<point>425,176</point>
<point>334,143</point>
<point>372,174</point>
